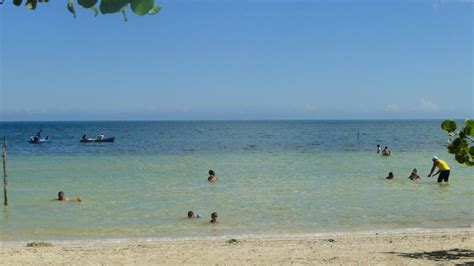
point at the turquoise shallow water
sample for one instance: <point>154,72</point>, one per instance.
<point>294,183</point>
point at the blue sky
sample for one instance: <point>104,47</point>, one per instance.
<point>230,59</point>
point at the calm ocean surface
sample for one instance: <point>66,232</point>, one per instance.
<point>275,177</point>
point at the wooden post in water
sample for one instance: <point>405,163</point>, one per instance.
<point>5,181</point>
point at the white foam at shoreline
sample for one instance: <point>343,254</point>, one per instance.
<point>243,236</point>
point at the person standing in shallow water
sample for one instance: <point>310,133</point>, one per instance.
<point>378,148</point>
<point>212,176</point>
<point>443,171</point>
<point>386,151</point>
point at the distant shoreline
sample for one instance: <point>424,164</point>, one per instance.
<point>238,120</point>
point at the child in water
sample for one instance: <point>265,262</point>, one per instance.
<point>213,218</point>
<point>191,215</point>
<point>414,175</point>
<point>390,175</point>
<point>212,176</point>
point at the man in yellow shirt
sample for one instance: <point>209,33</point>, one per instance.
<point>443,169</point>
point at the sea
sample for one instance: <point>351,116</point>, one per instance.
<point>274,178</point>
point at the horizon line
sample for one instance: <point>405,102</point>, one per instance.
<point>241,120</point>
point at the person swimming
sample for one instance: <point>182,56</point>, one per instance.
<point>213,218</point>
<point>191,215</point>
<point>62,197</point>
<point>386,151</point>
<point>378,148</point>
<point>390,175</point>
<point>414,175</point>
<point>212,176</point>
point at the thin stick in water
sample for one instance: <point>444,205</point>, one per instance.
<point>5,181</point>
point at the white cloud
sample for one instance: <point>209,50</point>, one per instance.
<point>392,108</point>
<point>427,105</point>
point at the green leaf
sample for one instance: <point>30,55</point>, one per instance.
<point>467,131</point>
<point>461,159</point>
<point>95,10</point>
<point>448,125</point>
<point>156,8</point>
<point>17,2</point>
<point>141,7</point>
<point>464,145</point>
<point>70,7</point>
<point>469,162</point>
<point>112,6</point>
<point>469,128</point>
<point>469,122</point>
<point>451,149</point>
<point>87,3</point>
<point>456,144</point>
<point>471,150</point>
<point>31,4</point>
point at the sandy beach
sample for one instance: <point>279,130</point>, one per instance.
<point>447,247</point>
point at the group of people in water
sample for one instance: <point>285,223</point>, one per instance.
<point>213,220</point>
<point>443,172</point>
<point>212,178</point>
<point>443,168</point>
<point>385,152</point>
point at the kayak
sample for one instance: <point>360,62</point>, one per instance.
<point>33,141</point>
<point>111,139</point>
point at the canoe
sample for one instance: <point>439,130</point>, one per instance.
<point>32,141</point>
<point>111,139</point>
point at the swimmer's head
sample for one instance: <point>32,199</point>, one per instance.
<point>61,195</point>
<point>434,158</point>
<point>213,217</point>
<point>390,174</point>
<point>211,172</point>
<point>190,214</point>
<point>414,171</point>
